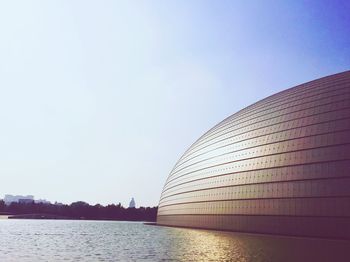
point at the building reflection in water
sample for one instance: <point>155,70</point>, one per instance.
<point>202,245</point>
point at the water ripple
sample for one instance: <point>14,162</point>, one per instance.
<point>60,240</point>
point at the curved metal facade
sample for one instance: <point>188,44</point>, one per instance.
<point>279,166</point>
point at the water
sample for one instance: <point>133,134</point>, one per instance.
<point>60,240</point>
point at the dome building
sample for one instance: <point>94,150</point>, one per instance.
<point>279,166</point>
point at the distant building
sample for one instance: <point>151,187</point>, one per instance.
<point>25,201</point>
<point>8,199</point>
<point>132,203</point>
<point>42,201</point>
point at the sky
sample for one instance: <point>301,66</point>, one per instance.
<point>99,99</point>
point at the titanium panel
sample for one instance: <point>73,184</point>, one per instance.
<point>279,166</point>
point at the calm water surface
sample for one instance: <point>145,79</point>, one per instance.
<point>60,240</point>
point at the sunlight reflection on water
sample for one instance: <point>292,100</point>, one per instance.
<point>44,240</point>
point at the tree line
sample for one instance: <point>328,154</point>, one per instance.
<point>79,210</point>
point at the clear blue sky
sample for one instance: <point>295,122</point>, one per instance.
<point>99,99</point>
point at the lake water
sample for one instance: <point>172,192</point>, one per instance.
<point>64,240</point>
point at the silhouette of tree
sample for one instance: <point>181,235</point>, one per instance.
<point>2,206</point>
<point>80,210</point>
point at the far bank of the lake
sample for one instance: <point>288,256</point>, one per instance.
<point>77,210</point>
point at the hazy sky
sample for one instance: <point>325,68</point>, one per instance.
<point>99,99</point>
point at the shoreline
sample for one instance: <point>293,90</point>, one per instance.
<point>54,217</point>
